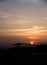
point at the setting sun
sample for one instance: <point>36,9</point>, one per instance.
<point>32,43</point>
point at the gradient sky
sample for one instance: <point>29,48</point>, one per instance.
<point>23,21</point>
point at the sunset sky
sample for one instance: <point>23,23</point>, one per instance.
<point>23,21</point>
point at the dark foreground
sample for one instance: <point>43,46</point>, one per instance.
<point>23,59</point>
<point>23,55</point>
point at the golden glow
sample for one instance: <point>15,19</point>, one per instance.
<point>32,43</point>
<point>35,34</point>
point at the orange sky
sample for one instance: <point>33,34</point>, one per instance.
<point>35,34</point>
<point>23,21</point>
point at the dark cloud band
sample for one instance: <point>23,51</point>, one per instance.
<point>2,0</point>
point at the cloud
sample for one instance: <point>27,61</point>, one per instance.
<point>45,19</point>
<point>2,0</point>
<point>38,28</point>
<point>34,33</point>
<point>45,0</point>
<point>20,0</point>
<point>33,30</point>
<point>4,17</point>
<point>36,1</point>
<point>32,0</point>
<point>20,22</point>
<point>28,0</point>
<point>20,16</point>
<point>4,13</point>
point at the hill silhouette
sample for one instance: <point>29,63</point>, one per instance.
<point>23,53</point>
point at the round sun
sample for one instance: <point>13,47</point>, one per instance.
<point>32,43</point>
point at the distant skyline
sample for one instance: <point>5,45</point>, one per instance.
<point>23,21</point>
